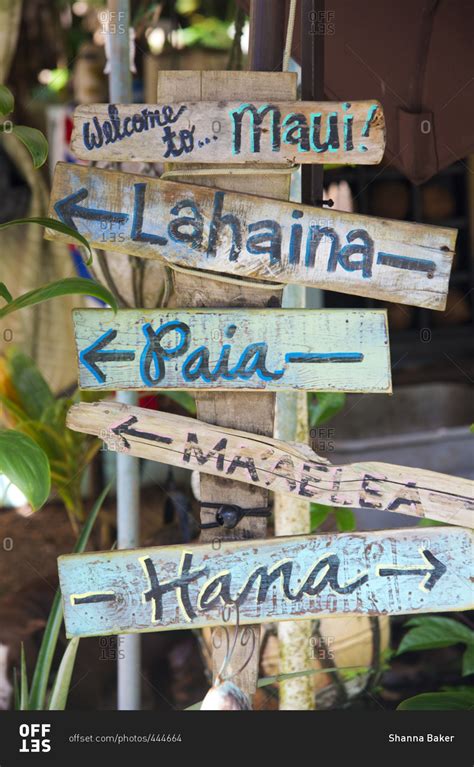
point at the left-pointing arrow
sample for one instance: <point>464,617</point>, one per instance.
<point>95,353</point>
<point>68,209</point>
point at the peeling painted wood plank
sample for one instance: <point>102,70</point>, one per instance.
<point>175,587</point>
<point>274,465</point>
<point>232,132</point>
<point>227,349</point>
<point>255,237</point>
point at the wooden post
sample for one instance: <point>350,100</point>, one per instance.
<point>293,517</point>
<point>253,411</point>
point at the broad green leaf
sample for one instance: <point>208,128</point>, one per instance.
<point>318,514</point>
<point>7,102</point>
<point>62,682</point>
<point>66,287</point>
<point>323,406</point>
<point>429,632</point>
<point>345,520</point>
<point>23,681</point>
<point>51,223</point>
<point>31,387</point>
<point>26,466</point>
<point>468,660</point>
<point>439,701</point>
<point>471,428</point>
<point>5,293</point>
<point>34,141</point>
<point>42,671</point>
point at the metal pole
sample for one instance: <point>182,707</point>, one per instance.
<point>267,35</point>
<point>312,86</point>
<point>128,479</point>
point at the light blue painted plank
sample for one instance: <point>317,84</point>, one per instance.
<point>266,349</point>
<point>156,589</point>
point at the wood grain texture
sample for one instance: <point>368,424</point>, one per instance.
<point>228,349</point>
<point>287,468</point>
<point>175,587</point>
<point>231,132</point>
<point>250,411</point>
<point>255,237</point>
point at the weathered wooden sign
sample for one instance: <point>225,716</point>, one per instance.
<point>172,587</point>
<point>249,236</point>
<point>274,465</point>
<point>232,132</point>
<point>233,349</point>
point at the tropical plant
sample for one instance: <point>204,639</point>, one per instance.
<point>36,698</point>
<point>31,408</point>
<point>428,632</point>
<point>23,458</point>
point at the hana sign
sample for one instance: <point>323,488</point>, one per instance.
<point>232,132</point>
<point>175,587</point>
<point>248,236</point>
<point>274,465</point>
<point>233,349</point>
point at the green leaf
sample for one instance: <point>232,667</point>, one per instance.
<point>34,141</point>
<point>52,223</point>
<point>425,522</point>
<point>471,428</point>
<point>62,682</point>
<point>429,632</point>
<point>23,681</point>
<point>66,287</point>
<point>345,520</point>
<point>184,399</point>
<point>7,102</point>
<point>318,515</point>
<point>32,389</point>
<point>26,466</point>
<point>5,293</point>
<point>323,406</point>
<point>439,701</point>
<point>468,660</point>
<point>50,637</point>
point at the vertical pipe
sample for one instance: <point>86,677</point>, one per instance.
<point>128,478</point>
<point>266,35</point>
<point>312,86</point>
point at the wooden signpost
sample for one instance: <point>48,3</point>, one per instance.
<point>244,132</point>
<point>232,132</point>
<point>247,236</point>
<point>176,587</point>
<point>226,349</point>
<point>277,466</point>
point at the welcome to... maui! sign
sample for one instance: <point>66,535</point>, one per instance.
<point>232,132</point>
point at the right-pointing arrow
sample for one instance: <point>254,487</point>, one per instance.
<point>433,571</point>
